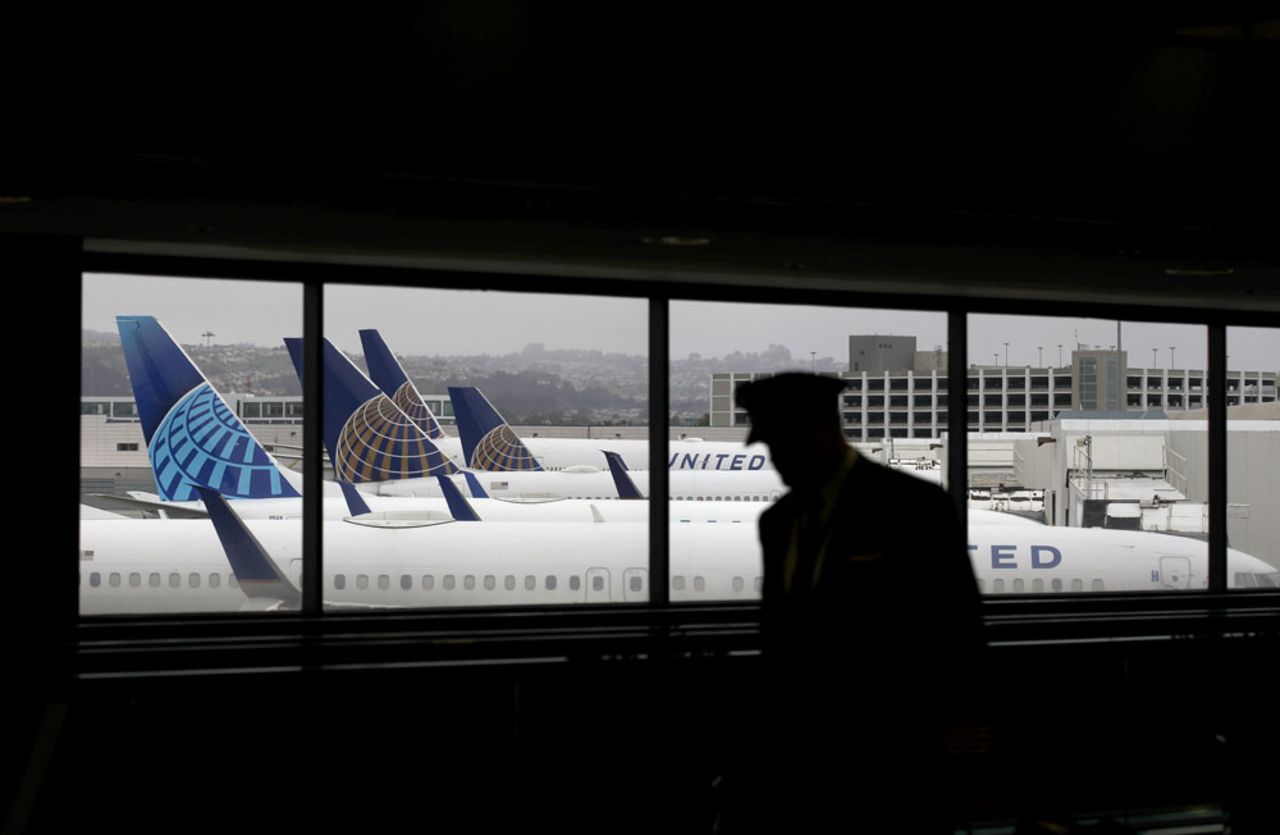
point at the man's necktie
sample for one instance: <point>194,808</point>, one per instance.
<point>809,536</point>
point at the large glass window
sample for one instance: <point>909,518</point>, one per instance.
<point>178,354</point>
<point>1113,479</point>
<point>543,387</point>
<point>719,487</point>
<point>1253,458</point>
<point>1076,437</point>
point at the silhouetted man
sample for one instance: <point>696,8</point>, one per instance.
<point>871,619</point>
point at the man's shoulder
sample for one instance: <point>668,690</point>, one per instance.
<point>869,478</point>
<point>780,509</point>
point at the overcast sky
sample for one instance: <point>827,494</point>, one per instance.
<point>425,321</point>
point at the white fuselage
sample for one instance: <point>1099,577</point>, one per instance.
<point>179,565</point>
<point>555,454</point>
<point>713,485</point>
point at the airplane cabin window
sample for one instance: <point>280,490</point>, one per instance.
<point>362,582</point>
<point>114,579</point>
<point>450,582</point>
<point>490,582</point>
<point>1037,584</point>
<point>530,582</point>
<point>699,584</point>
<point>509,582</point>
<point>428,582</point>
<point>193,580</point>
<point>997,586</point>
<point>339,581</point>
<point>737,584</point>
<point>677,582</point>
<point>1057,584</point>
<point>215,580</point>
<point>551,582</point>
<point>469,582</point>
<point>95,579</point>
<point>1098,585</point>
<point>575,582</point>
<point>153,579</point>
<point>175,580</point>
<point>384,582</point>
<point>637,583</point>
<point>1019,584</point>
<point>597,583</point>
<point>135,579</point>
<point>1077,584</point>
<point>406,582</point>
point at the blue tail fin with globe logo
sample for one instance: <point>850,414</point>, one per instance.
<point>193,437</point>
<point>387,374</point>
<point>487,441</point>
<point>368,437</point>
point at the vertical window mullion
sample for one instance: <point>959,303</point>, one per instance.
<point>957,405</point>
<point>313,452</point>
<point>659,484</point>
<point>1217,396</point>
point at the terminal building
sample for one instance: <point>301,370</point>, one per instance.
<point>893,390</point>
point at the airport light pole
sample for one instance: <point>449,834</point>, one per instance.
<point>208,335</point>
<point>813,362</point>
<point>1155,363</point>
<point>1040,356</point>
<point>1059,355</point>
<point>1171,350</point>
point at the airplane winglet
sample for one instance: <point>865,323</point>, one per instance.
<point>459,508</point>
<point>355,502</point>
<point>626,487</point>
<point>596,516</point>
<point>258,575</point>
<point>477,492</point>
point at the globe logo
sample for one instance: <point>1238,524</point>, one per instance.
<point>202,442</point>
<point>411,404</point>
<point>380,443</point>
<point>501,451</point>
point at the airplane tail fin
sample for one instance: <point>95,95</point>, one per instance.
<point>368,437</point>
<point>488,442</point>
<point>294,344</point>
<point>387,374</point>
<point>259,577</point>
<point>618,468</point>
<point>193,436</point>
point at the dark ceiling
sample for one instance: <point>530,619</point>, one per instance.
<point>1149,119</point>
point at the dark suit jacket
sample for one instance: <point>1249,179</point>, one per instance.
<point>894,607</point>
<point>866,670</point>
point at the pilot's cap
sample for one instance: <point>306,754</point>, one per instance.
<point>778,402</point>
